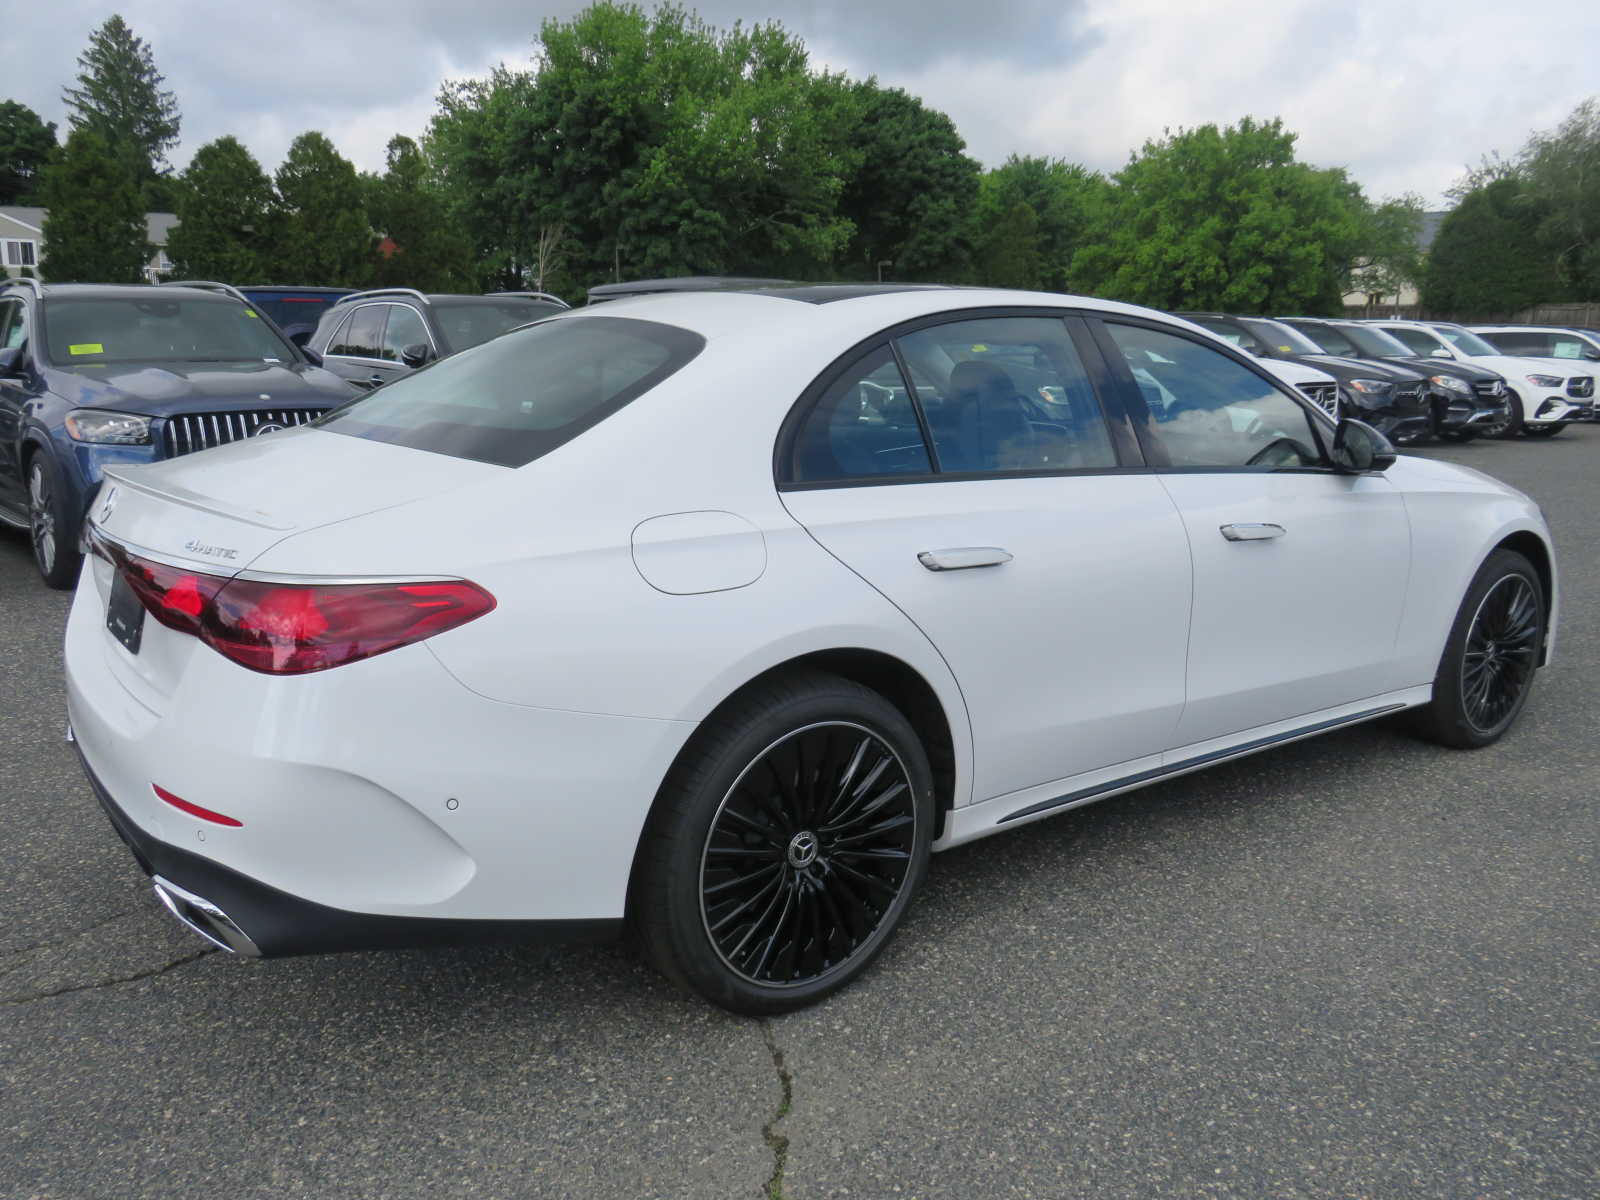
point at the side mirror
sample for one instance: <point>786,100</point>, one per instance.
<point>10,360</point>
<point>1358,448</point>
<point>312,356</point>
<point>416,355</point>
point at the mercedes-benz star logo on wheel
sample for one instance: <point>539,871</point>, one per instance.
<point>802,850</point>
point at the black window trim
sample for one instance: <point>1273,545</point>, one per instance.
<point>1322,425</point>
<point>1119,430</point>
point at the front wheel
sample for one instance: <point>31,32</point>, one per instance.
<point>1543,430</point>
<point>1490,656</point>
<point>1510,425</point>
<point>55,552</point>
<point>786,845</point>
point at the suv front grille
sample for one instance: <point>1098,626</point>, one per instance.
<point>1492,388</point>
<point>1581,387</point>
<point>188,432</point>
<point>1408,395</point>
<point>1324,395</point>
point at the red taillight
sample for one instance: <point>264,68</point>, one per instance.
<point>194,810</point>
<point>293,628</point>
<point>289,629</point>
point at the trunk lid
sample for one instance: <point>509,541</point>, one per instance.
<point>221,509</point>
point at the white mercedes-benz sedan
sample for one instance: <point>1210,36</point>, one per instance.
<point>712,614</point>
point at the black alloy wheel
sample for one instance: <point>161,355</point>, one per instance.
<point>1501,654</point>
<point>1490,657</point>
<point>807,853</point>
<point>48,527</point>
<point>1510,424</point>
<point>785,846</point>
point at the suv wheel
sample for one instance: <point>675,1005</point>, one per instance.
<point>49,528</point>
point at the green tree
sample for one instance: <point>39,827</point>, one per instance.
<point>1391,259</point>
<point>96,229</point>
<point>1225,218</point>
<point>26,144</point>
<point>1561,171</point>
<point>224,213</point>
<point>1487,257</point>
<point>407,206</point>
<point>1065,199</point>
<point>660,144</point>
<point>909,192</point>
<point>1008,256</point>
<point>119,96</point>
<point>322,235</point>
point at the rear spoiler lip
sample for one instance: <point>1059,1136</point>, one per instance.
<point>208,504</point>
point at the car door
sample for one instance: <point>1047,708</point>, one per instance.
<point>1300,572</point>
<point>13,397</point>
<point>990,502</point>
<point>355,352</point>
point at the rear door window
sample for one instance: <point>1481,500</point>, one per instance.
<point>518,397</point>
<point>362,335</point>
<point>864,426</point>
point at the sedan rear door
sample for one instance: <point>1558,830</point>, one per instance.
<point>966,470</point>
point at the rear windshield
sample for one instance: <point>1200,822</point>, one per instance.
<point>138,329</point>
<point>471,322</point>
<point>294,310</point>
<point>520,396</point>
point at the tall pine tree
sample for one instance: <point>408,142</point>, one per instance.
<point>224,212</point>
<point>119,96</point>
<point>95,232</point>
<point>323,235</point>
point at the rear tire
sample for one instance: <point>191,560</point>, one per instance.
<point>786,845</point>
<point>1490,657</point>
<point>50,531</point>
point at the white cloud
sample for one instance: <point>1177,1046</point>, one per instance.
<point>1404,96</point>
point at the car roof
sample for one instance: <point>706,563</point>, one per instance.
<point>134,291</point>
<point>289,287</point>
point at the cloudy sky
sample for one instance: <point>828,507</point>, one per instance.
<point>1403,94</point>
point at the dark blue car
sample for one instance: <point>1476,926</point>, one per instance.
<point>296,310</point>
<point>95,374</point>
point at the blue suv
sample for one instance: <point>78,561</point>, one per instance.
<point>96,374</point>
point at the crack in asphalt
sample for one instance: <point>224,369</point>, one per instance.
<point>105,983</point>
<point>777,1141</point>
<point>66,937</point>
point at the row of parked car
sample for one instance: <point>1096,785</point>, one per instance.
<point>94,375</point>
<point>1414,380</point>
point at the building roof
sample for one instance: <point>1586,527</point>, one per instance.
<point>24,214</point>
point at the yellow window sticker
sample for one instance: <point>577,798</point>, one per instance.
<point>979,348</point>
<point>250,312</point>
<point>86,348</point>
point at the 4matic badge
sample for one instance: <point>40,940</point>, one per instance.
<point>196,546</point>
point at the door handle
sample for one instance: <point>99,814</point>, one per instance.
<point>1252,531</point>
<point>375,379</point>
<point>964,558</point>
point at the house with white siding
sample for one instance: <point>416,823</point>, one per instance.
<point>22,241</point>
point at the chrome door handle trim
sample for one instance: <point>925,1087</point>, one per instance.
<point>1252,531</point>
<point>964,558</point>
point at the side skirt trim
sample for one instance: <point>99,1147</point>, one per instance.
<point>1200,760</point>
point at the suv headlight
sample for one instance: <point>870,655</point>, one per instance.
<point>1546,381</point>
<point>108,428</point>
<point>1372,387</point>
<point>1451,384</point>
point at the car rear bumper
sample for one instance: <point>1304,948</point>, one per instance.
<point>249,917</point>
<point>377,804</point>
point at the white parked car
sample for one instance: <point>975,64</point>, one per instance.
<point>1570,348</point>
<point>1553,393</point>
<point>715,613</point>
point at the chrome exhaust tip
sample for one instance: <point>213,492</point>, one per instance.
<point>204,917</point>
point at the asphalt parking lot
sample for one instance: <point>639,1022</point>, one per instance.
<point>1357,966</point>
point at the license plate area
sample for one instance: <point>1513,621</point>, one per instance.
<point>124,614</point>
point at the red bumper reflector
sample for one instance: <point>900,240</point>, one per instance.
<point>194,810</point>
